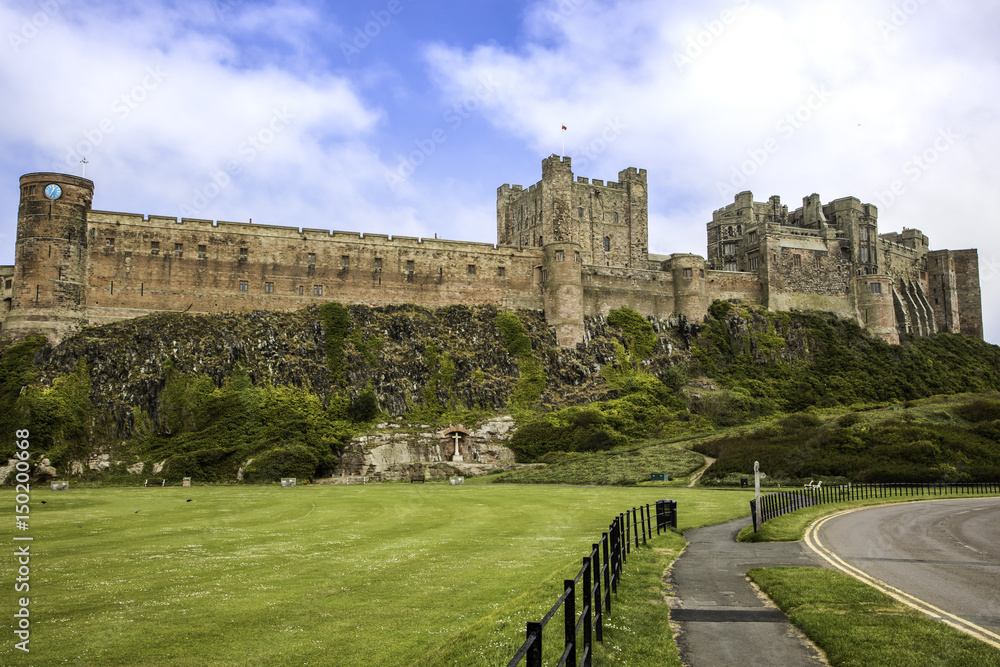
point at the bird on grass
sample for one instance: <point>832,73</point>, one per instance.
<point>188,500</point>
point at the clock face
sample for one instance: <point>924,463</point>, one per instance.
<point>53,191</point>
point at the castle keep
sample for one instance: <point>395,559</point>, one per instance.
<point>569,246</point>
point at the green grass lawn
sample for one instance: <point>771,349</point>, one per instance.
<point>856,624</point>
<point>362,575</point>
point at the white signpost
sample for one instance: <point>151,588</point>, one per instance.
<point>757,476</point>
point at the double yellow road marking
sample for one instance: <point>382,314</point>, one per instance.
<point>812,539</point>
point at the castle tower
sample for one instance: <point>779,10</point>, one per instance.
<point>562,277</point>
<point>636,214</point>
<point>50,273</point>
<point>876,311</point>
<point>690,293</point>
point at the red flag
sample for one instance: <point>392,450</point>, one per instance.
<point>564,127</point>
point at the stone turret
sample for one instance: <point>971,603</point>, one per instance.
<point>49,295</point>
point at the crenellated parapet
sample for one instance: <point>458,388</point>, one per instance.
<point>570,246</point>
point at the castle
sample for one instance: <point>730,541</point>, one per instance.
<point>570,246</point>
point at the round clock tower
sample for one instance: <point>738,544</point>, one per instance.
<point>49,296</point>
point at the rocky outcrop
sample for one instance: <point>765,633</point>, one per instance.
<point>398,452</point>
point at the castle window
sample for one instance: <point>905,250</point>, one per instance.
<point>311,259</point>
<point>729,231</point>
<point>865,254</point>
<point>244,254</point>
<point>472,269</point>
<point>345,262</point>
<point>559,255</point>
<point>302,290</point>
<point>739,230</point>
<point>317,290</point>
<point>875,288</point>
<point>154,248</point>
<point>576,256</point>
<point>753,261</point>
<point>540,242</point>
<point>109,243</point>
<point>92,232</point>
<point>179,248</point>
<point>202,251</point>
<point>244,286</point>
<point>751,237</point>
<point>687,273</point>
<point>615,216</point>
<point>729,248</point>
<point>269,288</point>
<point>701,273</point>
<point>409,266</point>
<point>607,244</point>
<point>796,261</point>
<point>863,232</point>
<point>501,271</point>
<point>730,266</point>
<point>378,263</point>
<point>579,212</point>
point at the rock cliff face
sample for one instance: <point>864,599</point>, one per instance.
<point>400,350</point>
<point>412,358</point>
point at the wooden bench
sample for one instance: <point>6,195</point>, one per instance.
<point>417,478</point>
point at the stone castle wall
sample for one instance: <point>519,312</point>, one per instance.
<point>569,246</point>
<point>152,264</point>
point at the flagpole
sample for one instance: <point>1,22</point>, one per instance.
<point>564,141</point>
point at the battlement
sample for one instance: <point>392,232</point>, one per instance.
<point>573,246</point>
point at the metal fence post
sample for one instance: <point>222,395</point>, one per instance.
<point>607,572</point>
<point>569,624</point>
<point>598,599</point>
<point>588,606</point>
<point>534,657</point>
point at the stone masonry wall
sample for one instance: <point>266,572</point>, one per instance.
<point>157,264</point>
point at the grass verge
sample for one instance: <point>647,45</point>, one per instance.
<point>637,632</point>
<point>854,624</point>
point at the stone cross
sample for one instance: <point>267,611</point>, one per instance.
<point>458,455</point>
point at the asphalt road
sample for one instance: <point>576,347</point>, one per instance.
<point>944,556</point>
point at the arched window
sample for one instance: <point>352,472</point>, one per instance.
<point>539,241</point>
<point>607,243</point>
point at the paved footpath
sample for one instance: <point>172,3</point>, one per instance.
<point>718,618</point>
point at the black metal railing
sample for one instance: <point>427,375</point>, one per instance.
<point>598,579</point>
<point>775,504</point>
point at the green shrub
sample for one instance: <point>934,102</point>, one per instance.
<point>336,322</point>
<point>979,410</point>
<point>364,408</point>
<point>293,461</point>
<point>16,372</point>
<point>640,338</point>
<point>531,376</point>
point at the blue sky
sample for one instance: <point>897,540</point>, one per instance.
<point>404,116</point>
